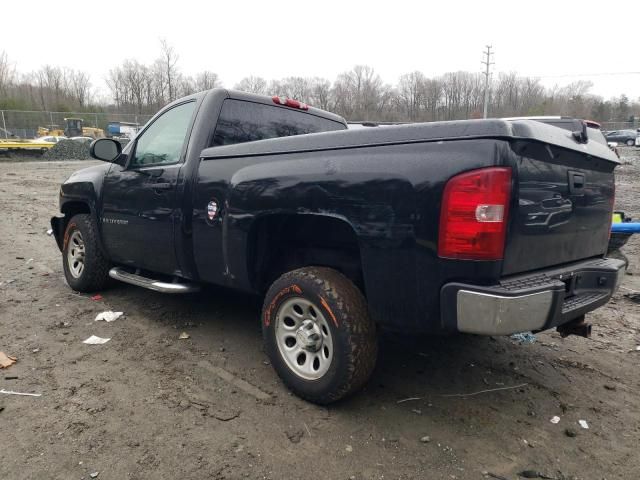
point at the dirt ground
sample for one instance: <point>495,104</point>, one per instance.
<point>148,405</point>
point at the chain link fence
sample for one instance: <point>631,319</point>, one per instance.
<point>610,126</point>
<point>25,124</point>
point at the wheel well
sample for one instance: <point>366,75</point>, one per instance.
<point>281,243</point>
<point>73,208</point>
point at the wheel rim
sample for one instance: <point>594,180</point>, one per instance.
<point>304,338</point>
<point>630,143</point>
<point>75,254</point>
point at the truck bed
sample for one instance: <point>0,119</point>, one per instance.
<point>388,183</point>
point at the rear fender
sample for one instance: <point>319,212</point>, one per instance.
<point>377,207</point>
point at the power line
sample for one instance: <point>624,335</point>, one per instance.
<point>486,55</point>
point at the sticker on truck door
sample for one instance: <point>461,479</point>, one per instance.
<point>212,210</point>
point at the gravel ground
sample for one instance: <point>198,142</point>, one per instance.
<point>149,405</point>
<point>68,149</point>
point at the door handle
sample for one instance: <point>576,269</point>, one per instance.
<point>577,181</point>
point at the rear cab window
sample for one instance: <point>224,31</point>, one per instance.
<point>244,121</point>
<point>596,135</point>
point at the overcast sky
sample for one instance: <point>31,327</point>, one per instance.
<point>275,39</point>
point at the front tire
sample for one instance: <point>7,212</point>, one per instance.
<point>318,334</point>
<point>86,268</point>
<point>631,142</point>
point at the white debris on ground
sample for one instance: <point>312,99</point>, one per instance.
<point>94,340</point>
<point>109,316</point>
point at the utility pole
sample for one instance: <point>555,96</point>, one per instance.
<point>487,63</point>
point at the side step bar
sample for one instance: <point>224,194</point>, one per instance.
<point>121,274</point>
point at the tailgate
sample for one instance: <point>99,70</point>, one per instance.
<point>563,206</point>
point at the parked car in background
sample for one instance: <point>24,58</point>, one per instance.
<point>628,137</point>
<point>49,138</point>
<point>86,140</point>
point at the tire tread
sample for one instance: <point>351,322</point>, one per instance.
<point>353,313</point>
<point>96,270</point>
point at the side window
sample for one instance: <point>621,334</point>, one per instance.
<point>162,142</point>
<point>242,121</point>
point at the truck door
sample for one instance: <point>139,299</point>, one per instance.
<point>140,208</point>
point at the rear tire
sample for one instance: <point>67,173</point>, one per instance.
<point>630,143</point>
<point>86,268</point>
<point>318,334</point>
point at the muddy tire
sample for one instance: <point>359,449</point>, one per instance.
<point>318,334</point>
<point>86,268</point>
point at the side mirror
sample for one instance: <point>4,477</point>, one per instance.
<point>105,149</point>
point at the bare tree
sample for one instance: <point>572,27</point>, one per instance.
<point>252,84</point>
<point>7,73</point>
<point>114,83</point>
<point>360,93</point>
<point>299,88</point>
<point>206,80</point>
<point>411,94</point>
<point>159,83</point>
<point>320,93</point>
<point>169,61</point>
<point>357,94</point>
<point>140,88</point>
<point>80,87</point>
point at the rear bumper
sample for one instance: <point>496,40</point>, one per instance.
<point>531,302</point>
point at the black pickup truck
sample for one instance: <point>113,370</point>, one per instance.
<point>486,227</point>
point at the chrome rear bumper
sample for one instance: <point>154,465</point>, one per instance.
<point>488,314</point>
<point>531,302</point>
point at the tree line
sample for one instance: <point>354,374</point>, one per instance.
<point>49,88</point>
<point>358,94</point>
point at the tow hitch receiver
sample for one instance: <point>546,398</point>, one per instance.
<point>575,327</point>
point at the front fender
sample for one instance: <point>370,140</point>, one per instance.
<point>84,186</point>
<point>80,193</point>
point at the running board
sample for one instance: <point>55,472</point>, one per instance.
<point>121,274</point>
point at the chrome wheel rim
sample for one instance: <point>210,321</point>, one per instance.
<point>75,254</point>
<point>304,338</point>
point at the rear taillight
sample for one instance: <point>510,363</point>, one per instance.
<point>290,102</point>
<point>474,213</point>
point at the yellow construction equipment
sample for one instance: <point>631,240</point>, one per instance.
<point>53,130</point>
<point>73,128</point>
<point>18,144</point>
